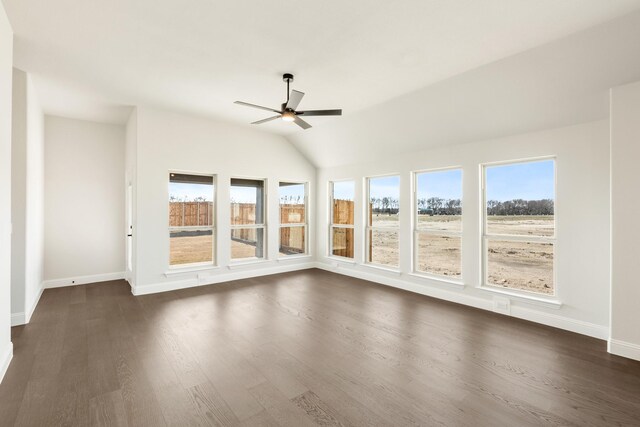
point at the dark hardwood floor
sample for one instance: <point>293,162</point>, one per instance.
<point>300,349</point>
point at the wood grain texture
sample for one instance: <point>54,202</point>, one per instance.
<point>301,349</point>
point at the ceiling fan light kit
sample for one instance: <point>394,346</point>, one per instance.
<point>288,111</point>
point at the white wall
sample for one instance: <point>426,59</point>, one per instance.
<point>131,147</point>
<point>84,201</point>
<point>6,71</point>
<point>18,194</point>
<point>625,212</point>
<point>582,249</point>
<point>27,243</point>
<point>168,141</point>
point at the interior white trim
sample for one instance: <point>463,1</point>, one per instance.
<point>556,321</point>
<point>5,359</point>
<point>34,304</point>
<point>83,280</point>
<point>17,319</point>
<point>202,280</point>
<point>624,349</point>
<point>23,318</point>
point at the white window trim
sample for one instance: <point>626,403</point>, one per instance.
<point>195,266</point>
<point>369,228</point>
<point>263,226</point>
<point>417,230</point>
<point>332,225</point>
<point>527,296</point>
<point>304,224</point>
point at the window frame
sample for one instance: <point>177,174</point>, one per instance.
<point>332,225</point>
<point>213,227</point>
<point>485,237</point>
<point>369,228</point>
<point>416,230</point>
<point>304,224</point>
<point>263,225</point>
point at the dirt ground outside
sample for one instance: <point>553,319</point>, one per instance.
<point>524,266</point>
<point>517,265</point>
<point>193,249</point>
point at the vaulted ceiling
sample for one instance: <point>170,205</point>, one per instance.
<point>430,70</point>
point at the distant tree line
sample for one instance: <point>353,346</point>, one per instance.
<point>441,206</point>
<point>520,207</point>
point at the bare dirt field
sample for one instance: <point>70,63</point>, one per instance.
<point>516,265</point>
<point>188,250</point>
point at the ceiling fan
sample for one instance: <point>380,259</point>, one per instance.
<point>288,111</point>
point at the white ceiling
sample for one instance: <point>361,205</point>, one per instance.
<point>94,59</point>
<point>562,83</point>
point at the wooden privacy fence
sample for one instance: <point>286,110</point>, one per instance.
<point>190,214</point>
<point>343,237</point>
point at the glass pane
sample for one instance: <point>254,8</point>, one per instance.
<point>343,195</point>
<point>292,240</point>
<point>383,247</point>
<point>384,201</point>
<point>526,266</point>
<point>439,200</point>
<point>187,247</point>
<point>439,255</point>
<point>292,200</point>
<point>521,198</point>
<point>247,243</point>
<point>247,201</point>
<point>342,241</point>
<point>190,200</point>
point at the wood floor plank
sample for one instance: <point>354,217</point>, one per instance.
<point>108,410</point>
<point>302,348</point>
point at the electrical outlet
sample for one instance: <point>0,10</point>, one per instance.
<point>502,305</point>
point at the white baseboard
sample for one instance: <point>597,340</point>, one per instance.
<point>457,296</point>
<point>83,280</point>
<point>624,349</point>
<point>5,359</point>
<point>201,279</point>
<point>18,319</point>
<point>34,304</point>
<point>23,318</point>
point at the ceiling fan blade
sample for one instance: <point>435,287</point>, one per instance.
<point>301,123</point>
<point>320,113</point>
<point>265,120</point>
<point>294,99</point>
<point>246,104</point>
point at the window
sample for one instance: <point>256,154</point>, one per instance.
<point>247,218</point>
<point>341,228</point>
<point>191,219</point>
<point>293,218</point>
<point>438,223</point>
<point>519,226</point>
<point>383,221</point>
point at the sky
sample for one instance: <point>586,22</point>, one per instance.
<point>446,184</point>
<point>344,190</point>
<point>385,186</point>
<point>528,181</point>
<point>188,192</point>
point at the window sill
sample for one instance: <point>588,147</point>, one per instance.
<point>241,264</point>
<point>382,268</point>
<point>192,269</point>
<point>550,302</point>
<point>286,258</point>
<point>457,283</point>
<point>342,260</point>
